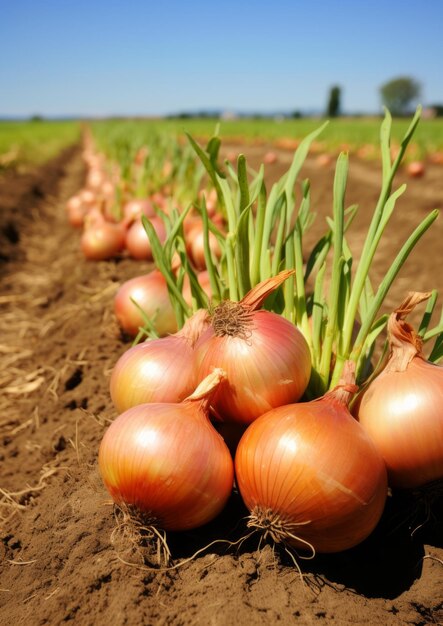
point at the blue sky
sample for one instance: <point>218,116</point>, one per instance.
<point>134,57</point>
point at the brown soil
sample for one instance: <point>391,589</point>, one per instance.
<point>62,558</point>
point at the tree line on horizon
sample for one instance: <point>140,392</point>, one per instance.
<point>399,95</point>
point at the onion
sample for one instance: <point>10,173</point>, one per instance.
<point>137,240</point>
<point>141,155</point>
<point>402,408</point>
<point>416,169</point>
<point>310,475</point>
<point>231,156</point>
<point>150,292</point>
<point>196,247</point>
<point>95,179</point>
<point>137,207</point>
<point>108,190</point>
<point>88,197</point>
<point>102,240</point>
<point>211,202</point>
<point>167,460</point>
<point>323,160</point>
<point>265,357</point>
<point>167,169</point>
<point>76,211</point>
<point>436,157</point>
<point>159,199</point>
<point>76,216</point>
<point>190,222</point>
<point>157,370</point>
<point>73,202</point>
<point>270,158</point>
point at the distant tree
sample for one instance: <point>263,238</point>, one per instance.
<point>437,108</point>
<point>333,109</point>
<point>296,115</point>
<point>36,118</point>
<point>399,94</point>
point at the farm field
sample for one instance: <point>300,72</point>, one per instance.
<point>66,556</point>
<point>362,134</point>
<point>25,144</point>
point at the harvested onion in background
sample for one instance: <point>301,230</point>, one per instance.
<point>150,293</point>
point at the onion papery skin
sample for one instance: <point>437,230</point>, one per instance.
<point>169,462</point>
<point>403,414</point>
<point>311,470</point>
<point>102,241</point>
<point>137,240</point>
<point>266,368</point>
<point>151,294</point>
<point>157,370</point>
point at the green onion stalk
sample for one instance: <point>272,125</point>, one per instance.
<point>265,234</point>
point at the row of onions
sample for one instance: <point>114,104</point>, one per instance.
<point>278,346</point>
<point>118,193</point>
<point>121,187</point>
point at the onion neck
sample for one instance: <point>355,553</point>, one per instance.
<point>258,294</point>
<point>195,326</point>
<point>234,318</point>
<point>404,343</point>
<point>346,388</point>
<point>206,390</point>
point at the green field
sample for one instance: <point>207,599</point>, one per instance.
<point>28,143</point>
<point>341,133</point>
